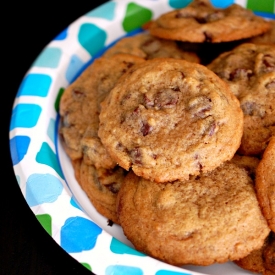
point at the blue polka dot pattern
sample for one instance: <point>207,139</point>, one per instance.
<point>177,4</point>
<point>19,146</point>
<point>74,66</point>
<point>42,168</point>
<point>62,35</point>
<point>106,11</point>
<point>35,85</point>
<point>25,115</point>
<point>47,156</point>
<point>86,36</point>
<point>42,188</point>
<point>123,269</point>
<point>74,204</point>
<point>222,4</point>
<point>82,230</point>
<point>49,58</point>
<point>120,248</point>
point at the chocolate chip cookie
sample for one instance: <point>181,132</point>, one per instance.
<point>211,218</point>
<point>101,186</point>
<point>249,69</point>
<point>201,22</point>
<point>265,183</point>
<point>80,107</point>
<point>148,47</point>
<point>169,118</point>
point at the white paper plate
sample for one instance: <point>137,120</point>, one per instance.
<point>49,188</point>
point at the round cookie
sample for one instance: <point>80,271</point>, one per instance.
<point>101,186</point>
<point>201,22</point>
<point>261,260</point>
<point>173,119</point>
<point>211,218</point>
<point>265,183</point>
<point>249,69</point>
<point>148,47</point>
<point>80,107</point>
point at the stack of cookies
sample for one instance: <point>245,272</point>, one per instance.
<point>177,147</point>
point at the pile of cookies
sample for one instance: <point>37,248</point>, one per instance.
<point>174,142</point>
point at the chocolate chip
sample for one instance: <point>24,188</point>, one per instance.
<point>248,107</point>
<point>240,73</point>
<point>208,37</point>
<point>212,129</point>
<point>270,85</point>
<point>146,129</point>
<point>135,155</point>
<point>176,89</point>
<point>151,46</point>
<point>269,63</point>
<point>214,16</point>
<point>119,146</point>
<point>166,98</point>
<point>128,64</point>
<point>201,20</point>
<point>77,94</point>
<point>251,108</point>
<point>147,101</point>
<point>113,187</point>
<point>199,106</point>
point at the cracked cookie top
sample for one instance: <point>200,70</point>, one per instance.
<point>201,22</point>
<point>168,119</point>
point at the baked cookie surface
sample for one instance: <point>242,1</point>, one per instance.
<point>265,183</point>
<point>167,118</point>
<point>80,107</point>
<point>201,22</point>
<point>148,47</point>
<point>101,186</point>
<point>211,218</point>
<point>249,69</point>
<point>261,260</point>
<point>267,37</point>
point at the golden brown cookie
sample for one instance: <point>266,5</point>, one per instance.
<point>261,260</point>
<point>211,218</point>
<point>249,69</point>
<point>172,119</point>
<point>265,183</point>
<point>267,37</point>
<point>201,22</point>
<point>250,164</point>
<point>148,47</point>
<point>80,107</point>
<point>101,186</point>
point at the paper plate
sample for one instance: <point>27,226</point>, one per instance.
<point>42,168</point>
